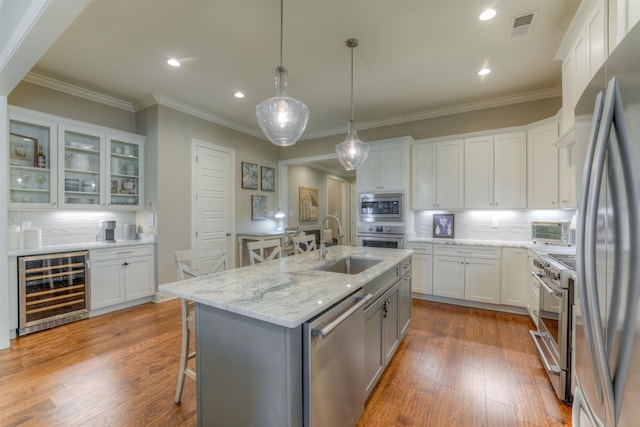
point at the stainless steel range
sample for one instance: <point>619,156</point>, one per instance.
<point>555,273</point>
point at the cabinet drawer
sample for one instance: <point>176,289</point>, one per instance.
<point>120,252</point>
<point>468,251</point>
<point>421,248</point>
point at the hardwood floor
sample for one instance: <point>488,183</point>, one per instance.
<point>457,367</point>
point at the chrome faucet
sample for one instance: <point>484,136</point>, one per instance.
<point>323,250</point>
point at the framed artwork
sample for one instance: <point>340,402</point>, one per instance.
<point>443,225</point>
<point>308,201</point>
<point>22,150</point>
<point>249,176</point>
<point>258,208</point>
<point>268,181</point>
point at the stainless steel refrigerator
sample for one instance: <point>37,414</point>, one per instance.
<point>607,329</point>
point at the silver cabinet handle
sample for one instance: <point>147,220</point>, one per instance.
<point>547,288</point>
<point>322,333</point>
<point>554,369</point>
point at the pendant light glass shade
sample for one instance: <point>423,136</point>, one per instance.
<point>282,118</point>
<point>352,152</point>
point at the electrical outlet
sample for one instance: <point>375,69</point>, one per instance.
<point>496,223</point>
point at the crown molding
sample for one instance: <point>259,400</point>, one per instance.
<point>446,111</point>
<point>48,82</point>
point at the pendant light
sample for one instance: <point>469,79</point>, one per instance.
<point>352,152</point>
<point>282,118</point>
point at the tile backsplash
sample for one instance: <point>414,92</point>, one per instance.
<point>479,224</point>
<point>62,227</point>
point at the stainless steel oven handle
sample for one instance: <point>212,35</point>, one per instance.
<point>547,288</point>
<point>322,333</point>
<point>553,369</point>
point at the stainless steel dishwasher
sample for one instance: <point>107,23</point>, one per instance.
<point>333,364</point>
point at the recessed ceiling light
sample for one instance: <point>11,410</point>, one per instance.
<point>484,71</point>
<point>173,62</point>
<point>239,94</point>
<point>487,14</point>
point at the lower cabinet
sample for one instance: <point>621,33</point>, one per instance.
<point>467,272</point>
<point>515,269</point>
<point>121,275</point>
<point>422,268</point>
<point>381,335</point>
<point>405,304</point>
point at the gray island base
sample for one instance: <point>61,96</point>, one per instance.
<point>253,335</point>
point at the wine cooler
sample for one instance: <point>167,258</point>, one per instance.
<point>53,290</point>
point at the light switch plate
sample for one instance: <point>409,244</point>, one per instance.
<point>150,220</point>
<point>496,223</point>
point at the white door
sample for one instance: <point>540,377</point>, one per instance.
<point>212,197</point>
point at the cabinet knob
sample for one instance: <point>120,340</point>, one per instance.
<point>125,263</point>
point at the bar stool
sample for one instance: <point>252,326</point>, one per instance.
<point>309,242</point>
<point>192,263</point>
<point>264,250</point>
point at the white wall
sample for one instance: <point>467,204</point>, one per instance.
<point>478,224</point>
<point>4,196</point>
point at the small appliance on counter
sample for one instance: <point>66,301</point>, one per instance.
<point>130,232</point>
<point>553,233</point>
<point>107,231</point>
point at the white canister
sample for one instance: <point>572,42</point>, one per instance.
<point>13,237</point>
<point>32,238</point>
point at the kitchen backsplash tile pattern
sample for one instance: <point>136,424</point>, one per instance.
<point>479,224</point>
<point>62,227</point>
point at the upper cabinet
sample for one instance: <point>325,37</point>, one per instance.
<point>582,52</point>
<point>73,164</point>
<point>385,168</point>
<point>542,165</point>
<point>437,175</point>
<point>496,171</point>
<point>623,15</point>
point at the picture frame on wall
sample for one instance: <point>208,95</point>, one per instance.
<point>443,226</point>
<point>249,176</point>
<point>258,208</point>
<point>268,181</point>
<point>22,150</point>
<point>308,201</point>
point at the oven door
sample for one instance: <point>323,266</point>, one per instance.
<point>391,241</point>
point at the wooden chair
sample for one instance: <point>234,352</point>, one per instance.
<point>287,247</point>
<point>194,263</point>
<point>309,242</point>
<point>264,250</point>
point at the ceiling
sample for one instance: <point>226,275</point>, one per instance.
<point>415,57</point>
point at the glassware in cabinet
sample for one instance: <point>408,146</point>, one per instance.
<point>81,161</point>
<point>32,151</point>
<point>126,172</point>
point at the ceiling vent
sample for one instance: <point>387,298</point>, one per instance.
<point>521,25</point>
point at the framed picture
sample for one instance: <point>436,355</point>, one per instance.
<point>22,150</point>
<point>268,181</point>
<point>443,225</point>
<point>258,208</point>
<point>308,201</point>
<point>249,176</point>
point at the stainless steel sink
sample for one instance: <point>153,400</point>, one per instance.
<point>350,265</point>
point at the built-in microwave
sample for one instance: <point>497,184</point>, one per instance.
<point>381,207</point>
<point>554,233</point>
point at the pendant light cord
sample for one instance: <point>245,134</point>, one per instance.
<point>351,44</point>
<point>281,27</point>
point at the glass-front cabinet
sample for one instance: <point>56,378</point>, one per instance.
<point>124,181</point>
<point>81,166</point>
<point>32,162</point>
<point>60,163</point>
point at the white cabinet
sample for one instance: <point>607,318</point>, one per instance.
<point>438,175</point>
<point>120,276</point>
<point>542,165</point>
<point>513,284</point>
<point>495,171</point>
<point>567,177</point>
<point>467,272</point>
<point>421,268</point>
<point>533,287</point>
<point>385,168</point>
<point>623,15</point>
<point>85,166</point>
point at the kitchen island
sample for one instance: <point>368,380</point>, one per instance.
<point>250,324</point>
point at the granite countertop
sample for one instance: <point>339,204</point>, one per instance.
<point>80,246</point>
<point>472,242</point>
<point>286,292</point>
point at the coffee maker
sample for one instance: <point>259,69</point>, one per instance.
<point>107,231</point>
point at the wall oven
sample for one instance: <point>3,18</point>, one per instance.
<point>378,207</point>
<point>555,275</point>
<point>381,236</point>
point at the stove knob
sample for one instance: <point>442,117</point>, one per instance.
<point>388,229</point>
<point>370,228</point>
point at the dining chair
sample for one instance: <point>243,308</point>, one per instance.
<point>287,246</point>
<point>194,263</point>
<point>304,243</point>
<point>264,250</point>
